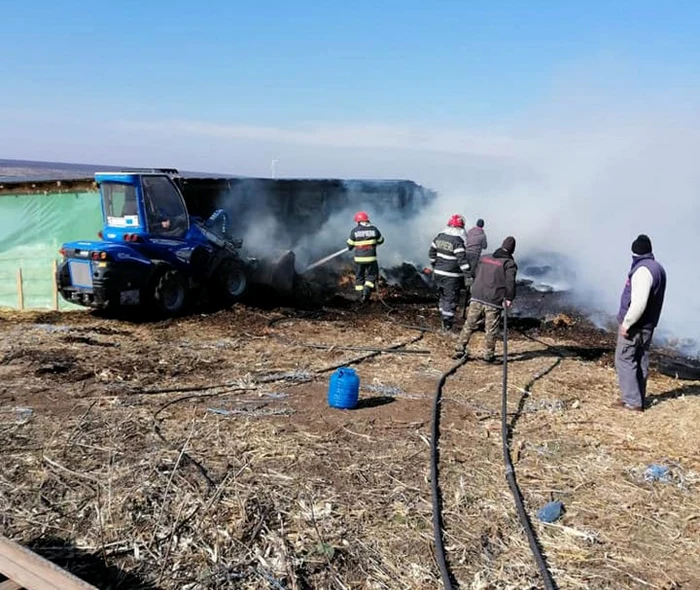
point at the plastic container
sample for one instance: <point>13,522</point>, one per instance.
<point>344,389</point>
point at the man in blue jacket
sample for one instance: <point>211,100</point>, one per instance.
<point>640,309</point>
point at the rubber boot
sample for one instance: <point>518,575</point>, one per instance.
<point>365,295</point>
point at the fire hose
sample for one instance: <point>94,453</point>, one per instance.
<point>510,471</point>
<point>510,475</point>
<point>434,475</point>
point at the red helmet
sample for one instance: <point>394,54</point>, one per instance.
<point>362,216</point>
<point>456,221</point>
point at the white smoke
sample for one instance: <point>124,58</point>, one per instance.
<point>581,191</point>
<point>586,193</point>
<point>577,187</point>
<point>580,177</point>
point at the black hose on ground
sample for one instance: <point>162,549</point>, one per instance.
<point>510,471</point>
<point>445,573</point>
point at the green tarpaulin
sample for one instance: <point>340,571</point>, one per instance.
<point>32,229</point>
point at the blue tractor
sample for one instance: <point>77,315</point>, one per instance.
<point>153,254</point>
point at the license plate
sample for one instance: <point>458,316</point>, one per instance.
<point>80,273</point>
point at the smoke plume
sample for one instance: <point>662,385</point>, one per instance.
<point>579,195</point>
<point>575,185</point>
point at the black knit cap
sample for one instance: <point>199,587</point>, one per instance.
<point>642,245</point>
<point>479,223</point>
<point>509,244</point>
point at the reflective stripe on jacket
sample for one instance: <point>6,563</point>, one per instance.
<point>448,255</point>
<point>364,239</point>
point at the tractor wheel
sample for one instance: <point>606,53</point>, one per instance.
<point>170,295</point>
<point>230,282</point>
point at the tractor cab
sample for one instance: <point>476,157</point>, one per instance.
<point>139,205</point>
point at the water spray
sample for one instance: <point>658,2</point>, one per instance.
<point>326,259</point>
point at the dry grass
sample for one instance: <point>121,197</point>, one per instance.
<point>258,484</point>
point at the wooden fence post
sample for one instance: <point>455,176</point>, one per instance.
<point>20,290</point>
<point>55,284</point>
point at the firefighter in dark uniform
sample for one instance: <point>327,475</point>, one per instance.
<point>450,267</point>
<point>364,239</point>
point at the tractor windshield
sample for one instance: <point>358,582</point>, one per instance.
<point>165,209</point>
<point>119,201</point>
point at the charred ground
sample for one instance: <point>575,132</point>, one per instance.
<point>200,452</point>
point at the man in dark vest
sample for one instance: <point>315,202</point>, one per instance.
<point>493,289</point>
<point>640,309</point>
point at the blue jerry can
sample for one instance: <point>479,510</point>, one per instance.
<point>344,389</point>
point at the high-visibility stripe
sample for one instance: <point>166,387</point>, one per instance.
<point>366,243</point>
<point>458,250</point>
<point>369,284</point>
<point>359,287</point>
<point>445,273</point>
<point>350,242</point>
<point>446,256</point>
<point>365,259</point>
<point>447,314</point>
<point>465,266</point>
<point>434,245</point>
<point>380,240</point>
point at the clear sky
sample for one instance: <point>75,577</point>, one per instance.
<point>263,70</point>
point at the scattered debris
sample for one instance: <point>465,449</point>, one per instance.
<point>560,320</point>
<point>667,472</point>
<point>75,339</point>
<point>54,368</point>
<point>657,472</point>
<point>256,412</point>
<point>391,390</point>
<point>551,406</point>
<point>293,376</point>
<point>685,369</point>
<point>51,328</point>
<point>21,415</point>
<point>551,511</point>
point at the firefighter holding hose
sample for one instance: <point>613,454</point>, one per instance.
<point>364,239</point>
<point>450,267</point>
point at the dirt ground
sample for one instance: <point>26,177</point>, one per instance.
<point>201,453</point>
